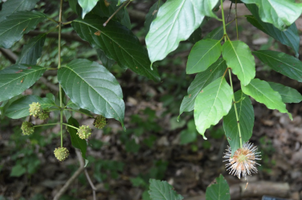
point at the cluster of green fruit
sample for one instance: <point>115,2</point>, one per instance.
<point>61,153</point>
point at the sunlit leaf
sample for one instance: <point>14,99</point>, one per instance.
<point>279,13</point>
<point>238,56</point>
<point>87,6</point>
<point>201,80</point>
<point>175,21</point>
<point>289,37</point>
<point>211,104</point>
<point>203,54</point>
<point>262,92</point>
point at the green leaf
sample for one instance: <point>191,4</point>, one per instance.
<point>289,37</point>
<point>215,34</point>
<point>219,190</point>
<point>76,141</point>
<point>107,62</point>
<point>262,92</point>
<point>151,15</point>
<point>203,54</point>
<point>87,6</point>
<point>12,6</point>
<point>176,20</point>
<point>20,107</point>
<point>17,24</point>
<point>279,13</point>
<point>211,104</point>
<point>18,170</point>
<point>282,63</point>
<point>117,42</point>
<point>246,121</point>
<point>32,51</point>
<point>201,80</point>
<point>161,190</point>
<point>238,56</point>
<point>93,87</point>
<point>17,78</point>
<point>207,7</point>
<point>288,94</point>
<point>188,135</point>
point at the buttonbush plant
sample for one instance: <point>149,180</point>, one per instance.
<point>88,87</point>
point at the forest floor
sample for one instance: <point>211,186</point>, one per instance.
<point>121,163</point>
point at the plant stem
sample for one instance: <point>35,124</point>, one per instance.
<point>124,4</point>
<point>59,66</point>
<point>52,124</point>
<point>236,21</point>
<point>235,109</point>
<point>70,126</point>
<point>223,20</point>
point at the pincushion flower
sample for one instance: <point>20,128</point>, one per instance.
<point>244,160</point>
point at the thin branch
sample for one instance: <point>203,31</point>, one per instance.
<point>11,56</point>
<point>72,178</point>
<point>91,184</point>
<point>65,36</point>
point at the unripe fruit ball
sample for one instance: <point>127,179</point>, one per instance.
<point>84,132</point>
<point>43,115</point>
<point>61,153</point>
<point>100,122</point>
<point>35,109</point>
<point>27,128</point>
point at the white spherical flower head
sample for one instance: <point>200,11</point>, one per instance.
<point>244,160</point>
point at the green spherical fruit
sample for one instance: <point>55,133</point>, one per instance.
<point>100,122</point>
<point>84,132</point>
<point>43,115</point>
<point>27,128</point>
<point>35,109</point>
<point>61,153</point>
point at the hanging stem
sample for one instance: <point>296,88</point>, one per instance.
<point>236,21</point>
<point>59,66</point>
<point>230,74</point>
<point>124,4</point>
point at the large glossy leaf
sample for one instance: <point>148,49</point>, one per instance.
<point>245,113</point>
<point>87,6</point>
<point>238,56</point>
<point>262,92</point>
<point>161,190</point>
<point>215,34</point>
<point>282,63</point>
<point>12,6</point>
<point>203,54</point>
<point>20,107</point>
<point>76,141</point>
<point>91,86</point>
<point>279,13</point>
<point>17,78</point>
<point>117,42</point>
<point>288,94</point>
<point>32,50</point>
<point>176,20</point>
<point>201,81</point>
<point>17,24</point>
<point>289,37</point>
<point>219,190</point>
<point>211,104</point>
